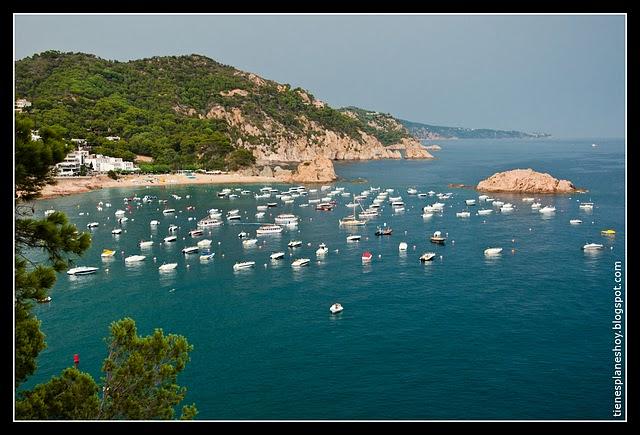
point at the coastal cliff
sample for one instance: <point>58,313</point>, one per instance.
<point>525,181</point>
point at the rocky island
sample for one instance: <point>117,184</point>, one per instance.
<point>525,181</point>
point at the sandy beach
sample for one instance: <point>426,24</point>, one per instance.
<point>74,185</point>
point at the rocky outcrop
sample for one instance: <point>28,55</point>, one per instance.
<point>412,149</point>
<point>318,170</point>
<point>525,181</point>
<point>233,92</point>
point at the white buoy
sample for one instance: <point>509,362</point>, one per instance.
<point>155,258</point>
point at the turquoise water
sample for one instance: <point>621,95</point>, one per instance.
<point>522,336</point>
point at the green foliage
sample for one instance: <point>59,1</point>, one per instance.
<point>112,174</point>
<point>151,168</point>
<point>140,374</point>
<point>71,396</point>
<point>240,158</point>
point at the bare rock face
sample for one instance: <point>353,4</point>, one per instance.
<point>318,170</point>
<point>266,172</point>
<point>415,150</point>
<point>525,181</point>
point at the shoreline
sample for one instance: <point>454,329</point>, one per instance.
<point>76,185</point>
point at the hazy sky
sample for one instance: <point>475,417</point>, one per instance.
<point>560,74</point>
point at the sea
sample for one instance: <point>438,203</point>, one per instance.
<point>524,335</point>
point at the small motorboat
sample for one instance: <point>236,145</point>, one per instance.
<point>470,201</point>
<point>244,265</point>
<point>483,197</point>
<point>366,257</point>
<point>492,251</point>
<point>384,231</point>
<point>497,203</point>
<point>586,206</point>
<point>204,243</point>
<point>82,270</point>
<point>300,262</point>
<point>277,256</point>
<point>336,308</point>
<point>608,232</point>
<point>575,221</point>
<point>547,209</point>
<point>437,238</point>
<point>485,211</point>
<point>190,250</point>
<point>592,247</point>
<point>207,257</point>
<point>354,238</point>
<point>119,213</point>
<point>92,224</point>
<point>234,217</point>
<point>272,204</point>
<point>154,223</point>
<point>146,244</point>
<point>170,238</point>
<point>168,211</point>
<point>402,246</point>
<point>260,215</point>
<point>463,214</point>
<point>116,231</point>
<point>528,199</point>
<point>173,228</point>
<point>196,233</point>
<point>506,208</point>
<point>249,242</point>
<point>167,266</point>
<point>427,256</point>
<point>294,243</point>
<point>134,258</point>
<point>322,249</point>
<point>536,205</point>
<point>243,235</point>
<point>107,253</point>
<point>427,215</point>
<point>412,191</point>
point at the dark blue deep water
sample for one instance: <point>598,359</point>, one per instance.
<point>526,335</point>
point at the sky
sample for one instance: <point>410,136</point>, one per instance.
<point>560,74</point>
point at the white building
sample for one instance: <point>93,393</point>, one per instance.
<point>79,141</point>
<point>95,162</point>
<point>112,138</point>
<point>35,135</point>
<point>21,104</point>
<point>71,164</point>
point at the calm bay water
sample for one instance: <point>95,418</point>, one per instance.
<point>526,335</point>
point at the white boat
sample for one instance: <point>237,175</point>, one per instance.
<point>244,265</point>
<point>269,229</point>
<point>263,195</point>
<point>483,197</point>
<point>402,246</point>
<point>146,244</point>
<point>322,249</point>
<point>294,243</point>
<point>215,213</point>
<point>204,243</point>
<point>437,238</point>
<point>427,215</point>
<point>154,223</point>
<point>470,201</point>
<point>49,212</point>
<point>170,239</point>
<point>528,199</point>
<point>427,256</point>
<point>208,223</point>
<point>412,191</point>
<point>168,211</point>
<point>134,258</point>
<point>492,251</point>
<point>207,257</point>
<point>323,188</point>
<point>368,214</point>
<point>395,198</point>
<point>167,266</point>
<point>92,224</point>
<point>336,308</point>
<point>398,209</point>
<point>249,242</point>
<point>277,256</point>
<point>116,231</point>
<point>119,213</point>
<point>463,214</point>
<point>485,211</point>
<point>586,206</point>
<point>123,219</point>
<point>575,221</point>
<point>286,219</point>
<point>243,235</point>
<point>506,208</point>
<point>107,253</point>
<point>233,212</point>
<point>260,215</point>
<point>300,262</point>
<point>431,193</point>
<point>234,217</point>
<point>547,209</point>
<point>82,270</point>
<point>353,238</point>
<point>233,196</point>
<point>437,206</point>
<point>173,228</point>
<point>536,205</point>
<point>429,209</point>
<point>265,189</point>
<point>422,195</point>
<point>592,246</point>
<point>196,233</point>
<point>262,208</point>
<point>497,203</point>
<point>190,250</point>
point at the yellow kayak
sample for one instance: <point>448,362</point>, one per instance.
<point>608,232</point>
<point>107,253</point>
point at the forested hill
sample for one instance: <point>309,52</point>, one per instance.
<point>189,111</point>
<point>431,132</point>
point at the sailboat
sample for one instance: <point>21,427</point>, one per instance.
<point>352,220</point>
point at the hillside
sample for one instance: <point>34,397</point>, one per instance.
<point>193,111</point>
<point>432,132</point>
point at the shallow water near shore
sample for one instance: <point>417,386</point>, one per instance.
<point>524,335</point>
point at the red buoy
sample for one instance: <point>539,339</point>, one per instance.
<point>76,359</point>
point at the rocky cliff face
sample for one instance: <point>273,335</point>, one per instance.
<point>412,149</point>
<point>318,170</point>
<point>525,181</point>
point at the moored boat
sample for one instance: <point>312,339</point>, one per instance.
<point>336,308</point>
<point>437,238</point>
<point>300,262</point>
<point>244,265</point>
<point>82,270</point>
<point>134,258</point>
<point>167,266</point>
<point>492,251</point>
<point>427,256</point>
